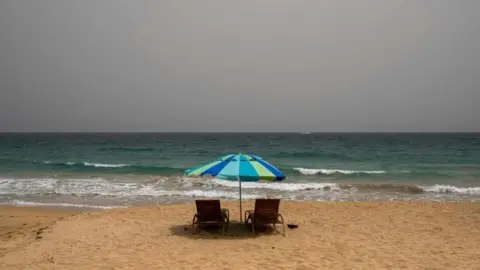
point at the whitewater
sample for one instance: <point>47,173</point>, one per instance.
<point>119,170</point>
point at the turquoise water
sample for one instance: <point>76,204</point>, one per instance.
<point>124,169</point>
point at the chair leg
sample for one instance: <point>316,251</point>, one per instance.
<point>193,223</point>
<point>253,226</point>
<point>280,217</point>
<point>226,214</point>
<point>275,228</point>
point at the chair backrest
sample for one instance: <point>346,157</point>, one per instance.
<point>208,210</point>
<point>266,210</point>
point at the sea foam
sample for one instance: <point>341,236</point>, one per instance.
<point>29,203</point>
<point>451,189</point>
<point>307,171</point>
<point>101,165</point>
<point>278,185</point>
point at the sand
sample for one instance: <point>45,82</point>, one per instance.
<point>412,235</point>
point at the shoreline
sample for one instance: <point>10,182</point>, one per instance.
<point>83,206</point>
<point>332,235</point>
<point>78,209</point>
<point>97,192</point>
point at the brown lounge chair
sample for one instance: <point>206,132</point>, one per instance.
<point>266,212</point>
<point>209,212</point>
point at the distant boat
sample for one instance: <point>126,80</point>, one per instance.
<point>305,133</point>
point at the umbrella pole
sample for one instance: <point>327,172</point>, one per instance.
<point>240,190</point>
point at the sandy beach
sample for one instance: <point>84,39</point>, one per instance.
<point>350,235</point>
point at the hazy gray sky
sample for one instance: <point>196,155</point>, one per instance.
<point>269,65</point>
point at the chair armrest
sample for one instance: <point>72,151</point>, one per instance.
<point>280,218</point>
<point>195,219</point>
<point>226,213</point>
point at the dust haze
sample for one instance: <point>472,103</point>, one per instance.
<point>272,65</point>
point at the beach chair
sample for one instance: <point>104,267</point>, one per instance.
<point>266,212</point>
<point>209,212</point>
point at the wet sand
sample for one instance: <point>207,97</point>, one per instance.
<point>350,235</point>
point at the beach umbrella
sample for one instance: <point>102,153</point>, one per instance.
<point>241,168</point>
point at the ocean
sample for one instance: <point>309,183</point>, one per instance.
<point>108,170</point>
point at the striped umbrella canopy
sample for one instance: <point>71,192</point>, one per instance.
<point>246,168</point>
<point>241,168</point>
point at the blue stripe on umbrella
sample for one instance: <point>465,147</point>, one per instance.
<point>213,171</point>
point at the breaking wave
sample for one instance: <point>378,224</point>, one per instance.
<point>306,171</point>
<point>451,189</point>
<point>117,168</point>
<point>29,203</point>
<point>87,164</point>
<point>100,165</point>
<point>159,170</point>
<point>278,185</point>
<point>211,188</point>
<point>102,187</point>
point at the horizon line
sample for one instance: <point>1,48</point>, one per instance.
<point>239,132</point>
